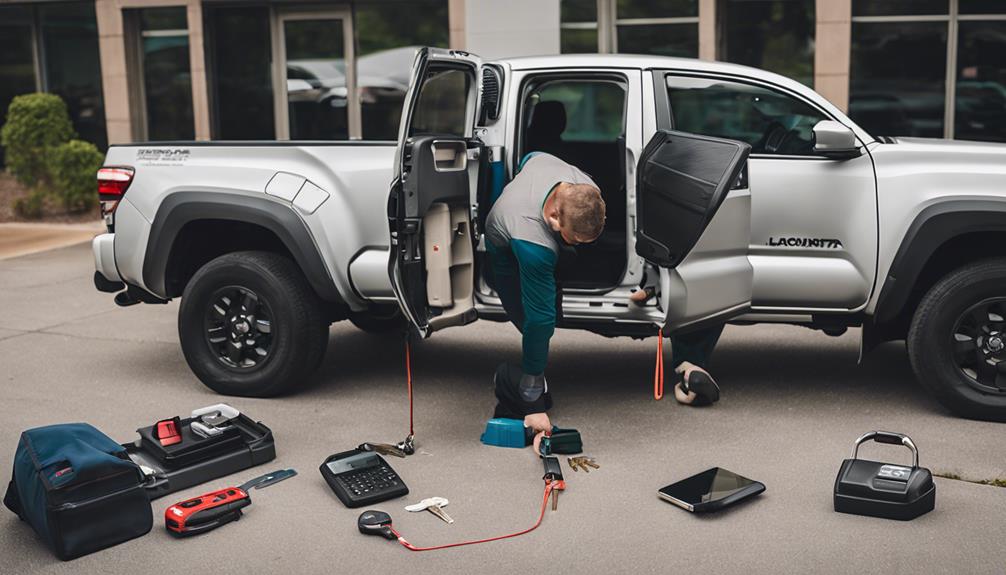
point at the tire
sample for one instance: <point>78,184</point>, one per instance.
<point>382,319</point>
<point>957,338</point>
<point>280,330</point>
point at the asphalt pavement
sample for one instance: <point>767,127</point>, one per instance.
<point>793,401</point>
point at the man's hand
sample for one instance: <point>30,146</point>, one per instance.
<point>540,424</point>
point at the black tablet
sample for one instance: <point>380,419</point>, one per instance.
<point>710,490</point>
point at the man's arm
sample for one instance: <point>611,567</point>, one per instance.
<point>537,290</point>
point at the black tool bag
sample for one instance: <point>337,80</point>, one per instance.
<point>78,489</point>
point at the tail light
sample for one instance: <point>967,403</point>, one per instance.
<point>112,184</point>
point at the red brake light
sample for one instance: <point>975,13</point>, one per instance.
<point>114,181</point>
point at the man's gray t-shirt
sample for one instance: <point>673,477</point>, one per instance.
<point>517,214</point>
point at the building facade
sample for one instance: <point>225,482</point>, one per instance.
<point>136,70</point>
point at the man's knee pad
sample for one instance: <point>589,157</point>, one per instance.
<point>518,394</point>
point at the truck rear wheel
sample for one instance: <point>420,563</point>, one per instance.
<point>250,325</point>
<point>957,341</point>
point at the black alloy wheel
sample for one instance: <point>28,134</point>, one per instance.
<point>239,327</point>
<point>957,340</point>
<point>250,325</point>
<point>979,343</point>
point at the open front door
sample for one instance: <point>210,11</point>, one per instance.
<point>432,264</point>
<point>693,217</point>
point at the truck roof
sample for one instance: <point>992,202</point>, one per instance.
<point>645,62</point>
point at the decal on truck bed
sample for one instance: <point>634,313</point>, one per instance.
<point>162,156</point>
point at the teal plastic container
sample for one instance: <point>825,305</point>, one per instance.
<point>503,432</point>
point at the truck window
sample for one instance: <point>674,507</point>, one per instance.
<point>581,120</point>
<point>591,111</point>
<point>443,104</point>
<point>772,122</point>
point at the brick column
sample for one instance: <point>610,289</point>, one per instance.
<point>456,23</point>
<point>707,29</point>
<point>197,64</point>
<point>833,48</point>
<point>114,82</point>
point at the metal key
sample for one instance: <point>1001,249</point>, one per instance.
<point>434,505</point>
<point>573,463</point>
<point>383,449</point>
<point>557,486</point>
<point>439,512</point>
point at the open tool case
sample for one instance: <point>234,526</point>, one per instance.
<point>241,444</point>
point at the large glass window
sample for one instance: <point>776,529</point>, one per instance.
<point>241,73</point>
<point>665,27</point>
<point>316,79</point>
<point>775,35</point>
<point>898,77</point>
<point>17,69</point>
<point>387,35</point>
<point>166,74</point>
<point>982,6</point>
<point>980,100</point>
<point>899,83</point>
<point>72,65</point>
<point>772,122</point>
<point>578,32</point>
<point>53,47</point>
<point>900,7</point>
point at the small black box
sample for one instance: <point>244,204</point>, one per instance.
<point>883,489</point>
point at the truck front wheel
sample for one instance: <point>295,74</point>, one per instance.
<point>957,341</point>
<point>250,325</point>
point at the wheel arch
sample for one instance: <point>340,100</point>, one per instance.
<point>265,224</point>
<point>942,237</point>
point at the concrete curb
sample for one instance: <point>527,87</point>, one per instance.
<point>20,239</point>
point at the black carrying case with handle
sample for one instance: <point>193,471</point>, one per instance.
<point>885,490</point>
<point>78,489</point>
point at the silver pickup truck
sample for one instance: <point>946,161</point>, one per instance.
<point>741,195</point>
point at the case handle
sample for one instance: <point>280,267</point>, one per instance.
<point>891,438</point>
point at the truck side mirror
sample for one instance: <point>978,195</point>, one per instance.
<point>835,140</point>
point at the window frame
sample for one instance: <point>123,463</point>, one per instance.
<point>665,119</point>
<point>537,78</point>
<point>607,24</point>
<point>136,67</point>
<point>278,17</point>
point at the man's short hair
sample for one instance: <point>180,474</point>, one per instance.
<point>582,209</point>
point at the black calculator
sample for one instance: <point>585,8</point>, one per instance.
<point>361,478</point>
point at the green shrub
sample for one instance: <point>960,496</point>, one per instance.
<point>73,167</point>
<point>35,124</point>
<point>30,206</point>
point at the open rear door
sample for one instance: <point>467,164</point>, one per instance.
<point>693,218</point>
<point>429,209</point>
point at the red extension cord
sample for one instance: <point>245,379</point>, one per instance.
<point>549,486</point>
<point>658,372</point>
